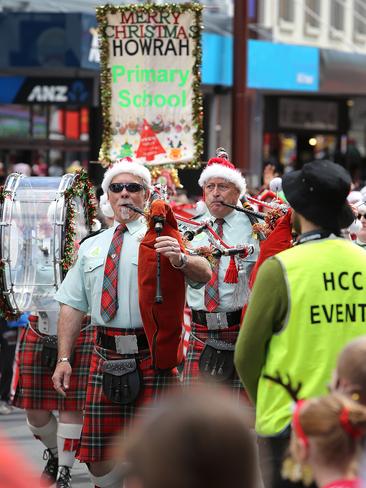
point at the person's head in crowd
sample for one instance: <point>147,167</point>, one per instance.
<point>318,194</point>
<point>126,182</point>
<point>221,183</point>
<point>361,234</point>
<point>326,436</point>
<point>350,374</point>
<point>22,168</point>
<point>192,440</point>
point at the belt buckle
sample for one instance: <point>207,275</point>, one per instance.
<point>126,344</point>
<point>216,320</point>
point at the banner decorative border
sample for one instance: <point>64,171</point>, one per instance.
<point>106,83</point>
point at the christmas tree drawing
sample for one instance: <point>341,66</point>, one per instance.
<point>126,150</point>
<point>149,145</point>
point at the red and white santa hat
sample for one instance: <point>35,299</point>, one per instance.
<point>220,167</point>
<point>125,165</point>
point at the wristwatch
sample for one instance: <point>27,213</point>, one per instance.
<point>63,360</point>
<point>183,261</point>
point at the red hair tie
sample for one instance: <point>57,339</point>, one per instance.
<point>354,432</point>
<point>296,425</point>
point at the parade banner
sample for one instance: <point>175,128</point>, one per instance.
<point>150,83</point>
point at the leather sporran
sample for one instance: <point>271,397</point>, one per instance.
<point>216,361</point>
<point>122,381</point>
<point>49,352</point>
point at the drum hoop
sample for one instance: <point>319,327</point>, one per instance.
<point>10,311</point>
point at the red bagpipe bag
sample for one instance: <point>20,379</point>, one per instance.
<point>162,321</point>
<point>278,240</point>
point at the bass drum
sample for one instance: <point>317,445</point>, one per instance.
<point>38,216</point>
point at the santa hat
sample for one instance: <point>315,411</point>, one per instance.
<point>220,167</point>
<point>125,165</point>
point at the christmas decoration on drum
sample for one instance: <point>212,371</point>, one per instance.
<point>150,83</point>
<point>83,189</point>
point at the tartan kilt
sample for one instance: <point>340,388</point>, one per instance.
<point>103,420</point>
<point>35,390</point>
<point>191,373</point>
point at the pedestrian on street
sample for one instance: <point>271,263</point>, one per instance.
<point>307,303</point>
<point>217,307</point>
<point>8,341</point>
<point>105,281</point>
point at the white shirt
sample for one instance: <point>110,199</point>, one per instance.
<point>237,230</point>
<point>82,286</point>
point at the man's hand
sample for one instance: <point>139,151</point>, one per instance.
<point>61,377</point>
<point>169,247</point>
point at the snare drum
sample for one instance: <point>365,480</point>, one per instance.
<point>38,216</point>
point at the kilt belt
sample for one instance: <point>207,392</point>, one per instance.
<point>103,419</point>
<point>35,388</point>
<point>199,334</point>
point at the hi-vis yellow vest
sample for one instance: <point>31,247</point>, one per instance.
<point>326,287</point>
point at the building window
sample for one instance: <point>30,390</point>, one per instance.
<point>337,15</point>
<point>312,13</point>
<point>286,11</point>
<point>359,16</point>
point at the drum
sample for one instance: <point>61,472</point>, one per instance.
<point>41,221</point>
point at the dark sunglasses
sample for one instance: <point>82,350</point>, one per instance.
<point>359,216</point>
<point>130,187</point>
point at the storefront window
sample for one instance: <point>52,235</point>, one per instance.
<point>14,121</point>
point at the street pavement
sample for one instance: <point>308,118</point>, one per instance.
<point>14,427</point>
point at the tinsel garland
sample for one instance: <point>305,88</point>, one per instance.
<point>157,170</point>
<point>105,74</point>
<point>83,189</point>
<point>269,222</point>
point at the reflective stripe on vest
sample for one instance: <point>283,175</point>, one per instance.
<point>326,287</point>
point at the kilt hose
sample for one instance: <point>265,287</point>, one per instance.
<point>191,373</point>
<point>103,420</point>
<point>35,390</point>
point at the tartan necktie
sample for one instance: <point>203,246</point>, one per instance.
<point>109,301</point>
<point>212,297</point>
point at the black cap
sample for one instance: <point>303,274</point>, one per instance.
<point>319,192</point>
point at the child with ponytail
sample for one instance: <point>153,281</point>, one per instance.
<point>326,436</point>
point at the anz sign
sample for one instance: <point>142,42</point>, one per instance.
<point>48,93</point>
<point>47,90</point>
<point>77,93</point>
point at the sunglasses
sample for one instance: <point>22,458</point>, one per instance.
<point>130,187</point>
<point>359,216</point>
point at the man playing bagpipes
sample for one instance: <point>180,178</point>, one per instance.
<point>217,307</point>
<point>133,284</point>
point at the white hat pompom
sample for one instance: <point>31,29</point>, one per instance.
<point>355,227</point>
<point>105,206</point>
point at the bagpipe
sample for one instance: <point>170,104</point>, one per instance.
<point>162,287</point>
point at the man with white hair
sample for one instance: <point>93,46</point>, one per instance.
<point>105,282</point>
<point>217,307</point>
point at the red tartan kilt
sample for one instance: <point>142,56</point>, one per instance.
<point>35,388</point>
<point>191,372</point>
<point>103,420</point>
